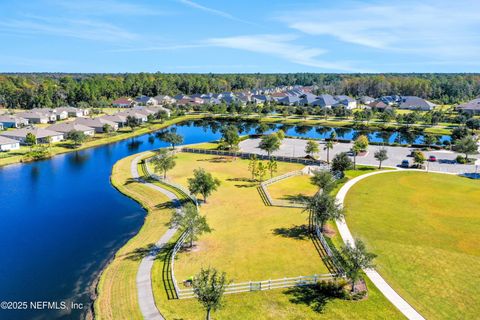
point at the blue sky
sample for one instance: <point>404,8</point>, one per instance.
<point>239,36</point>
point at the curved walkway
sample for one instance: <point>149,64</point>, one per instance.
<point>402,305</point>
<point>146,300</point>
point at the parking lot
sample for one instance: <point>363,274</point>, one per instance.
<point>296,148</point>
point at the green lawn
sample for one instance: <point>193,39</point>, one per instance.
<point>425,230</point>
<point>292,188</point>
<point>245,245</point>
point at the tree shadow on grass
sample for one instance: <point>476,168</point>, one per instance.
<point>251,182</point>
<point>140,253</point>
<point>225,159</point>
<point>299,198</point>
<point>300,232</point>
<point>316,296</point>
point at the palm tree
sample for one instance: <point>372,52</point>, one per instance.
<point>328,146</point>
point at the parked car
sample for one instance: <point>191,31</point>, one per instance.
<point>432,158</point>
<point>405,164</point>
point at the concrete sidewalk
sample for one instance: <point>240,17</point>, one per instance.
<point>146,299</point>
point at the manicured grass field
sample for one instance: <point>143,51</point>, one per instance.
<point>117,293</point>
<point>250,241</point>
<point>425,230</point>
<point>243,245</point>
<point>292,188</point>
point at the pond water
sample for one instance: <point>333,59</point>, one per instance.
<point>61,220</point>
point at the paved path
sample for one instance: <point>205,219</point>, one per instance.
<point>374,276</point>
<point>144,275</point>
<point>296,148</point>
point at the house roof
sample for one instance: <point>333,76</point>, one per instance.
<point>117,118</point>
<point>412,101</point>
<point>32,115</point>
<point>123,100</point>
<point>142,99</point>
<point>5,140</point>
<point>94,122</point>
<point>343,97</point>
<point>325,100</point>
<point>11,118</point>
<point>69,109</point>
<point>69,126</point>
<point>38,132</point>
<point>378,104</point>
<point>471,105</point>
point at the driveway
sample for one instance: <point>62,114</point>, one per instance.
<point>295,148</point>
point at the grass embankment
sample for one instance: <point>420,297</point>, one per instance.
<point>117,291</point>
<point>424,228</point>
<point>100,139</point>
<point>253,242</point>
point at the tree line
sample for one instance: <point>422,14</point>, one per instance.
<point>98,90</point>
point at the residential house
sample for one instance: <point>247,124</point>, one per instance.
<point>97,123</point>
<point>123,102</point>
<point>153,109</point>
<point>42,135</point>
<point>145,101</point>
<point>13,121</point>
<point>379,105</point>
<point>325,101</point>
<point>471,107</point>
<point>1,126</point>
<point>7,144</point>
<point>134,113</point>
<point>365,100</point>
<point>67,127</point>
<point>74,112</point>
<point>36,117</point>
<point>164,99</point>
<point>52,114</point>
<point>416,103</point>
<point>346,101</point>
<point>120,120</point>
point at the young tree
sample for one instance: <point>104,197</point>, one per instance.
<point>270,143</point>
<point>356,258</point>
<point>359,145</point>
<point>281,134</point>
<point>272,166</point>
<point>107,128</point>
<point>230,137</point>
<point>189,220</point>
<point>381,155</point>
<point>132,122</point>
<point>341,162</point>
<point>77,137</point>
<point>467,145</point>
<point>30,140</point>
<point>253,166</point>
<point>324,180</point>
<point>419,158</point>
<point>202,182</point>
<point>261,171</point>
<point>323,207</point>
<point>429,139</point>
<point>311,148</point>
<point>209,286</point>
<point>328,146</point>
<point>163,162</point>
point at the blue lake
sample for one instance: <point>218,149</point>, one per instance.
<point>61,220</point>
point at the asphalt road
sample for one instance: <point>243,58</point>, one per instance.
<point>296,148</point>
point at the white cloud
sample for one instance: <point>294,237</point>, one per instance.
<point>216,12</point>
<point>442,28</point>
<point>281,46</point>
<point>74,28</point>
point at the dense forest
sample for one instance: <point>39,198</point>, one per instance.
<point>51,90</point>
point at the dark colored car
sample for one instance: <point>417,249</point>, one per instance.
<point>432,158</point>
<point>405,164</point>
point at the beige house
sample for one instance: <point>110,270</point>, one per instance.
<point>7,144</point>
<point>71,126</point>
<point>42,135</point>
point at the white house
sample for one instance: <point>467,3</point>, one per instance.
<point>12,121</point>
<point>74,112</point>
<point>97,123</point>
<point>346,101</point>
<point>71,126</point>
<point>145,101</point>
<point>416,103</point>
<point>42,135</point>
<point>35,117</point>
<point>7,144</point>
<point>122,102</point>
